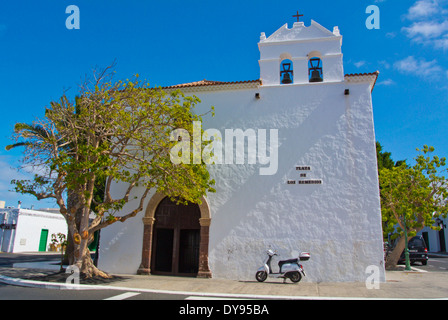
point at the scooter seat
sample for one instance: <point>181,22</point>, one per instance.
<point>281,263</point>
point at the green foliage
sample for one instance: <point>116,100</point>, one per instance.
<point>113,132</point>
<point>384,159</point>
<point>59,240</point>
<point>418,193</point>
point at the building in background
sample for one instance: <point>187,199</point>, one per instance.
<point>26,230</point>
<point>436,240</point>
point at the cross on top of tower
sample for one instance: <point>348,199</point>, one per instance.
<point>298,16</point>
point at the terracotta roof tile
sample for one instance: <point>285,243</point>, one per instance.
<point>357,75</point>
<point>363,74</point>
<point>209,83</point>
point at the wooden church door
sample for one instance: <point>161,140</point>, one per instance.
<point>176,239</point>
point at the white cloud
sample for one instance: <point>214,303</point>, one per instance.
<point>8,173</point>
<point>391,35</point>
<point>426,29</point>
<point>442,43</point>
<point>429,23</point>
<point>423,9</point>
<point>421,67</point>
<point>387,82</point>
<point>359,64</point>
<point>384,64</point>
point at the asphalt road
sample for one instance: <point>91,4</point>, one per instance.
<point>435,264</point>
<point>9,292</point>
<point>8,259</point>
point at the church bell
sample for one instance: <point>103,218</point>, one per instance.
<point>315,76</point>
<point>316,70</point>
<point>286,78</point>
<point>286,73</point>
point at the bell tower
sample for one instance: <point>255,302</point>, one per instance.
<point>301,55</point>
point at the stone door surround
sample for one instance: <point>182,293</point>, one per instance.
<point>148,228</point>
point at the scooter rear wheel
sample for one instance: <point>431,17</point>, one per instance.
<point>295,276</point>
<point>261,276</point>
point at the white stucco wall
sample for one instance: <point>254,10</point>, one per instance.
<point>434,237</point>
<point>338,222</point>
<point>29,227</point>
<point>120,247</point>
<point>8,218</point>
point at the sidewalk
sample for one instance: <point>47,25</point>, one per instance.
<point>399,285</point>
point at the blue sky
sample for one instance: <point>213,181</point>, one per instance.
<point>170,42</point>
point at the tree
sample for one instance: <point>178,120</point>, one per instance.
<point>115,132</point>
<point>412,198</point>
<point>35,135</point>
<point>384,159</point>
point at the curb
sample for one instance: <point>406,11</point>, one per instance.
<point>48,285</point>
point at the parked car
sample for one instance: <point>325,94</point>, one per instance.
<point>417,251</point>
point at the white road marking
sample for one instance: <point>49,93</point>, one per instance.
<point>210,298</point>
<point>123,296</point>
<point>417,269</point>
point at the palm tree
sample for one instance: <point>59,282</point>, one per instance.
<point>33,132</point>
<point>37,135</point>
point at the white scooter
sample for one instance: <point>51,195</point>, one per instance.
<point>287,269</point>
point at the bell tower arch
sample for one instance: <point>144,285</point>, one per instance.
<point>286,69</point>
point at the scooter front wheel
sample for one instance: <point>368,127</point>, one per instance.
<point>261,276</point>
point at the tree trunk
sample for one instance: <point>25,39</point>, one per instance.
<point>88,268</point>
<point>394,256</point>
<point>82,253</point>
<point>72,201</point>
<point>78,253</point>
<point>83,261</point>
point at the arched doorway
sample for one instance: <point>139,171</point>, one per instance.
<point>175,238</point>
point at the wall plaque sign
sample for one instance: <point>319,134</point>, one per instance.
<point>313,181</point>
<point>304,170</point>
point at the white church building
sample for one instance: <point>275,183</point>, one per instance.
<point>306,180</point>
